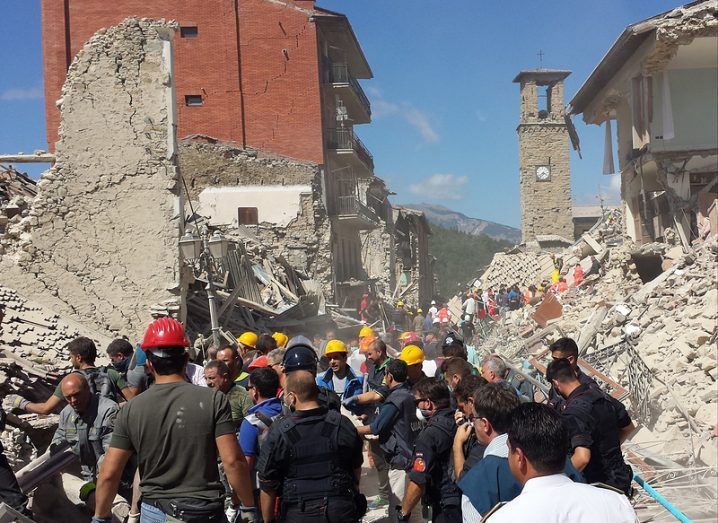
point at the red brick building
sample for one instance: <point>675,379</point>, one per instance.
<point>275,75</point>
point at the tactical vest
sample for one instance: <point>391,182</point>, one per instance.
<point>398,443</point>
<point>442,490</point>
<point>315,470</point>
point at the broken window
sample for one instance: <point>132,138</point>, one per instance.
<point>188,31</point>
<point>193,100</point>
<point>247,216</point>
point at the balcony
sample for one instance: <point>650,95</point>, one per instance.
<point>349,90</point>
<point>345,203</point>
<point>348,147</point>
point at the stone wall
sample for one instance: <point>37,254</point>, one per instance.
<point>100,240</point>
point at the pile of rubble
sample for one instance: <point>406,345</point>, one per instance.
<point>656,340</point>
<point>523,268</point>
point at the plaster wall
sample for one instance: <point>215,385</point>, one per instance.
<point>277,205</point>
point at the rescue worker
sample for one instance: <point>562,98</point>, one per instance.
<point>339,377</point>
<point>216,374</point>
<point>566,348</point>
<point>177,430</point>
<point>418,322</point>
<point>233,359</point>
<point>594,428</point>
<point>400,317</point>
<point>101,380</point>
<point>246,343</point>
<point>86,424</point>
<point>120,353</point>
<point>312,459</point>
<point>281,339</point>
<point>431,474</point>
<point>396,425</point>
<point>413,356</point>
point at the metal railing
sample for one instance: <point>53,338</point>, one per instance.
<point>339,74</point>
<point>343,138</point>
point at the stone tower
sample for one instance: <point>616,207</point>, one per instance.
<point>544,170</point>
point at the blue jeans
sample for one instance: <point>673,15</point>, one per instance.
<point>150,514</point>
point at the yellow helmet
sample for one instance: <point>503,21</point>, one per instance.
<point>365,331</point>
<point>411,355</point>
<point>248,339</point>
<point>399,303</point>
<point>281,339</point>
<point>335,347</point>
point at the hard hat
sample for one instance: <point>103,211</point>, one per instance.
<point>412,355</point>
<point>433,302</point>
<point>335,347</point>
<point>165,332</point>
<point>365,343</point>
<point>399,303</point>
<point>452,338</point>
<point>258,363</point>
<point>409,337</point>
<point>300,357</point>
<point>366,331</point>
<point>248,339</point>
<point>419,311</point>
<point>281,339</point>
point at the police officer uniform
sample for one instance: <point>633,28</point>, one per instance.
<point>309,459</point>
<point>432,467</point>
<point>375,382</point>
<point>593,423</point>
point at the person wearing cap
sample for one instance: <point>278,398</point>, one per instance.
<point>418,321</point>
<point>414,357</point>
<point>177,430</point>
<point>433,311</point>
<point>281,339</point>
<point>410,338</point>
<point>339,377</point>
<point>400,317</point>
<point>301,356</point>
<point>247,342</point>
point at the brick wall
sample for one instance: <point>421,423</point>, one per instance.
<point>281,105</point>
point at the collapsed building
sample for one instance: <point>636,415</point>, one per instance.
<point>656,86</point>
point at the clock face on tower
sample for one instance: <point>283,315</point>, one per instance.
<point>543,173</point>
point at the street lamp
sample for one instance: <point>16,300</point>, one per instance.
<point>199,252</point>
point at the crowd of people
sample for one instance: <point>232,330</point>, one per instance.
<point>275,429</point>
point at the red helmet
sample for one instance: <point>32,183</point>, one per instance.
<point>410,337</point>
<point>165,332</point>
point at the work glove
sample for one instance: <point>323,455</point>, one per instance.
<point>247,515</point>
<point>133,518</point>
<point>400,516</point>
<point>350,402</point>
<point>13,401</point>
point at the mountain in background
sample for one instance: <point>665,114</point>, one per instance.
<point>448,219</point>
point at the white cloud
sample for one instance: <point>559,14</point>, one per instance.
<point>440,187</point>
<point>420,121</point>
<point>32,93</point>
<point>380,108</point>
<point>608,193</point>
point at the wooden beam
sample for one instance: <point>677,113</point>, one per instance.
<point>27,158</point>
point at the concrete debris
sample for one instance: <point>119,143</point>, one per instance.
<point>667,326</point>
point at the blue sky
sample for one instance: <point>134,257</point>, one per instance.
<point>445,109</point>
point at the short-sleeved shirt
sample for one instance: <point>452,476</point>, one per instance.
<point>240,402</point>
<point>275,459</point>
<point>115,377</point>
<point>173,429</point>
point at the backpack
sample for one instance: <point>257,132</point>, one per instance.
<point>100,382</point>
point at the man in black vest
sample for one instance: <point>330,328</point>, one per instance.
<point>396,425</point>
<point>312,459</point>
<point>594,427</point>
<point>431,473</point>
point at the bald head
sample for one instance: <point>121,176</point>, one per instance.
<point>76,391</point>
<point>302,384</point>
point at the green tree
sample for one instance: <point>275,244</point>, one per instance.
<point>461,257</point>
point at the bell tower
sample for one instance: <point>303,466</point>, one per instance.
<point>544,170</point>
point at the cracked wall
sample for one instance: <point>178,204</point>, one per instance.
<point>100,240</point>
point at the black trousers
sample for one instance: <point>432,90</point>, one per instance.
<point>450,514</point>
<point>327,510</point>
<point>10,492</point>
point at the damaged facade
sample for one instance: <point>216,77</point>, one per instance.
<point>107,214</point>
<point>657,87</point>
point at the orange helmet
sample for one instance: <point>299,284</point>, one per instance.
<point>409,337</point>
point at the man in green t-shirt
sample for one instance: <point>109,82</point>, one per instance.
<point>103,381</point>
<point>177,430</point>
<point>216,374</point>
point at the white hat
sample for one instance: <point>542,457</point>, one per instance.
<point>433,302</point>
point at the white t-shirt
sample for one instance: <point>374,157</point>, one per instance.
<point>433,311</point>
<point>470,305</point>
<point>339,384</point>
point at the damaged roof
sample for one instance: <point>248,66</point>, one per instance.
<point>627,43</point>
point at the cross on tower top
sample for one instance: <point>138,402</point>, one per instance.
<point>540,54</point>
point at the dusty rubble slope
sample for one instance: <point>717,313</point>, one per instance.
<point>99,242</point>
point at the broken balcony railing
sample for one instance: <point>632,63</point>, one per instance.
<point>344,139</point>
<point>339,74</point>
